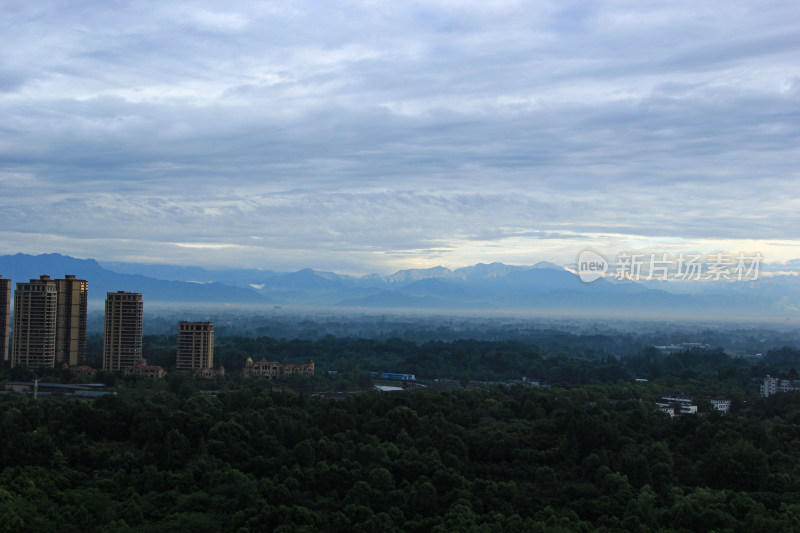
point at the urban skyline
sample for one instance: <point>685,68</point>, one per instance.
<point>50,328</point>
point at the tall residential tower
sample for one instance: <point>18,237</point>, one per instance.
<point>35,307</point>
<point>71,320</point>
<point>122,340</point>
<point>5,316</point>
<point>195,346</point>
<point>49,321</point>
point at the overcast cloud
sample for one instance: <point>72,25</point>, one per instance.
<point>372,136</point>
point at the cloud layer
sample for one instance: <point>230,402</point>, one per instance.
<point>363,136</point>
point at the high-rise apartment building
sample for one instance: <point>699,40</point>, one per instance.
<point>72,298</point>
<point>195,345</point>
<point>35,308</point>
<point>122,339</point>
<point>5,316</point>
<point>49,321</point>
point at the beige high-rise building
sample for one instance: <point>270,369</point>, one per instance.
<point>122,339</point>
<point>71,320</point>
<point>5,316</point>
<point>35,308</point>
<point>195,345</point>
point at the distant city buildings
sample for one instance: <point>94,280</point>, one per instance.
<point>682,347</point>
<point>122,338</point>
<point>50,322</point>
<point>772,386</point>
<point>195,346</point>
<point>5,317</point>
<point>273,370</point>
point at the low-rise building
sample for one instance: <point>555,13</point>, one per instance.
<point>682,347</point>
<point>141,368</point>
<point>44,388</point>
<point>723,405</point>
<point>684,404</point>
<point>772,386</point>
<point>80,370</point>
<point>209,373</point>
<point>679,404</point>
<point>666,408</point>
<point>394,376</point>
<point>274,370</point>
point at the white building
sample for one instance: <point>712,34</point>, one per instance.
<point>723,405</point>
<point>674,405</point>
<point>685,404</point>
<point>772,385</point>
<point>666,408</point>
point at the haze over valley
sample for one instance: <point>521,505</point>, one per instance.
<point>543,289</point>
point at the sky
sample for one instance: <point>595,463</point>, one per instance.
<point>372,136</point>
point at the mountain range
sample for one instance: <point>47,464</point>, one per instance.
<point>495,287</point>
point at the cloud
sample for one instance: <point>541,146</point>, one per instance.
<point>356,134</point>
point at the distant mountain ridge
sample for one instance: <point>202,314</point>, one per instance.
<point>543,287</point>
<point>22,267</point>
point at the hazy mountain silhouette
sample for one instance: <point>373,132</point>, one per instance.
<point>494,286</point>
<point>22,267</point>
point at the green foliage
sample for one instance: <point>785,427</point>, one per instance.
<point>589,452</point>
<point>486,459</point>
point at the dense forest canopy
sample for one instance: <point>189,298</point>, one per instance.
<point>489,459</point>
<point>589,451</point>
